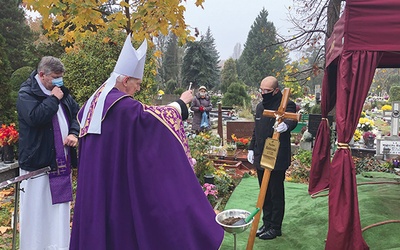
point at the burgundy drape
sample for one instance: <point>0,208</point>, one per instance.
<point>321,156</point>
<point>363,39</point>
<point>355,73</point>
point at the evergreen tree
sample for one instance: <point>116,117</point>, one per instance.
<point>259,58</point>
<point>236,95</point>
<point>7,111</point>
<point>17,78</point>
<point>215,69</point>
<point>15,31</point>
<point>42,46</point>
<point>172,61</point>
<point>171,86</point>
<point>228,74</point>
<point>200,63</point>
<point>160,45</point>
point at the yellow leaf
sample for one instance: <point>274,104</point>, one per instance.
<point>4,229</point>
<point>124,4</point>
<point>157,53</point>
<point>6,192</point>
<point>106,39</point>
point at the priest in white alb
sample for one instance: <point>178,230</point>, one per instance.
<point>48,131</point>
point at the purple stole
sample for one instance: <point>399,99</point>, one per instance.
<point>171,119</point>
<point>60,179</point>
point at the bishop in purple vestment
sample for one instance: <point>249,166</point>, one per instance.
<point>136,187</point>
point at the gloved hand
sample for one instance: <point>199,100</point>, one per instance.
<point>282,127</point>
<point>250,156</point>
<point>201,109</point>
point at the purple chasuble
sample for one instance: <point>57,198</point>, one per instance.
<point>136,188</point>
<point>60,179</point>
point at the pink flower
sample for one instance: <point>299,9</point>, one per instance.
<point>210,189</point>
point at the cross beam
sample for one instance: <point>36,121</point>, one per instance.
<point>279,114</point>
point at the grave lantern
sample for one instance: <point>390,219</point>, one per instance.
<point>385,152</point>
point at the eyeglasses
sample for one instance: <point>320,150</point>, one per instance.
<point>266,91</point>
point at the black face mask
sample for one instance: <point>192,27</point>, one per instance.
<point>267,97</point>
<point>270,98</point>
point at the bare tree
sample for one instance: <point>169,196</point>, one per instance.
<point>313,22</point>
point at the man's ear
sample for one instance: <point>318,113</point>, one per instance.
<point>125,81</point>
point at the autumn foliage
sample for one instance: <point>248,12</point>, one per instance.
<point>69,20</point>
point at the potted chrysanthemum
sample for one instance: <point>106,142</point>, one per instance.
<point>369,138</point>
<point>8,138</point>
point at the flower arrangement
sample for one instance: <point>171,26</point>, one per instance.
<point>365,124</point>
<point>231,146</point>
<point>368,135</point>
<point>396,163</point>
<point>386,107</point>
<point>241,142</point>
<point>199,146</point>
<point>306,104</point>
<point>357,135</point>
<point>8,135</point>
<point>211,192</point>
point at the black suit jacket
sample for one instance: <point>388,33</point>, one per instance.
<point>263,129</point>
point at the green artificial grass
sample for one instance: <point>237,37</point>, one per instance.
<point>305,224</point>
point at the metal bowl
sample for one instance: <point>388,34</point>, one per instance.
<point>233,213</point>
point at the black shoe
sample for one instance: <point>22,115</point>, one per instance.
<point>261,230</point>
<point>270,234</point>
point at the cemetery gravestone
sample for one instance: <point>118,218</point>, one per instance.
<point>241,129</point>
<point>313,123</point>
<point>390,145</point>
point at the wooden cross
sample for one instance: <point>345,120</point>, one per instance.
<point>279,114</point>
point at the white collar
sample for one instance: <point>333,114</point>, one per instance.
<point>42,87</point>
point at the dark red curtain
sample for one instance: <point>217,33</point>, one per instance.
<point>355,73</point>
<point>321,155</point>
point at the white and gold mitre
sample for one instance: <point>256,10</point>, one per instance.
<point>131,62</point>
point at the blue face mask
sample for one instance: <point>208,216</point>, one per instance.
<point>58,82</point>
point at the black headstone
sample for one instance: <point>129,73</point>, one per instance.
<point>313,123</point>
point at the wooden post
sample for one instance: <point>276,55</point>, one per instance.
<point>220,129</point>
<point>279,114</point>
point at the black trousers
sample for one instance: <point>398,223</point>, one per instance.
<point>274,204</point>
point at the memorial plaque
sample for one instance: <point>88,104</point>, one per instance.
<point>393,145</point>
<point>242,129</point>
<point>270,153</point>
<point>313,123</point>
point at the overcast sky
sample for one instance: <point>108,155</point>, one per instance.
<point>230,20</point>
